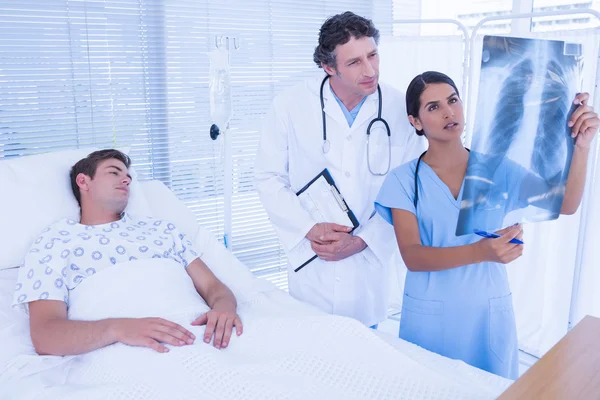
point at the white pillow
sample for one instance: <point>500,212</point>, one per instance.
<point>35,191</point>
<point>163,204</point>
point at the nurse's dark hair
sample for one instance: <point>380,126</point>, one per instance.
<point>88,166</point>
<point>417,87</point>
<point>337,30</point>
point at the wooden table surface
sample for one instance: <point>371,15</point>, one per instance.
<point>569,371</point>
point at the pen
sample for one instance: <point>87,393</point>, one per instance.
<point>491,235</point>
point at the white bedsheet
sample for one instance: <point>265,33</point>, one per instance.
<point>288,351</point>
<point>13,322</point>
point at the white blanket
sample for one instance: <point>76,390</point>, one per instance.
<point>278,356</point>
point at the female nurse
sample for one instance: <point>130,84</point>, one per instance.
<point>457,301</point>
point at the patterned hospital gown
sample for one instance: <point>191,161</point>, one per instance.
<point>68,252</point>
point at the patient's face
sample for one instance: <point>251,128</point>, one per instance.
<point>110,186</point>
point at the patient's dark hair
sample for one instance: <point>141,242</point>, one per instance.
<point>337,30</point>
<point>416,88</point>
<point>88,166</point>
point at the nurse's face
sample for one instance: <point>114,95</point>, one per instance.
<point>441,113</point>
<point>357,67</point>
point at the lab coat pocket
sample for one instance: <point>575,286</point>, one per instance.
<point>422,323</point>
<point>503,330</point>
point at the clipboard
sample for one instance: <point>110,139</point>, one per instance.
<point>325,203</point>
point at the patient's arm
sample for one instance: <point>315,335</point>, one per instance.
<point>53,334</point>
<point>222,317</point>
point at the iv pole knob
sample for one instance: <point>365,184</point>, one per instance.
<point>214,131</point>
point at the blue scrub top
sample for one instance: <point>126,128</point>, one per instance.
<point>463,313</point>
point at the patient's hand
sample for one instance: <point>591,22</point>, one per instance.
<point>151,332</point>
<point>220,323</point>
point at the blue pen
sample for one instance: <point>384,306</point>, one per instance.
<point>491,235</point>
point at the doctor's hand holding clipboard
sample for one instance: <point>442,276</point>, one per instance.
<point>333,242</point>
<point>331,238</point>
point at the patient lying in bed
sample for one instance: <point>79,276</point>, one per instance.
<point>70,252</point>
<point>106,290</point>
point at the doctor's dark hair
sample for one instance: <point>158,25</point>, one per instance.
<point>416,88</point>
<point>88,166</point>
<point>338,30</point>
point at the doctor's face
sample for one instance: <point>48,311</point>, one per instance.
<point>441,114</point>
<point>357,67</point>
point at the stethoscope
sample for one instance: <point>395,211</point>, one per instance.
<point>417,177</point>
<point>327,145</point>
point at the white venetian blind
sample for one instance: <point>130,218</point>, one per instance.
<point>107,73</point>
<point>80,73</point>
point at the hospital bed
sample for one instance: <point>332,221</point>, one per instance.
<point>288,350</point>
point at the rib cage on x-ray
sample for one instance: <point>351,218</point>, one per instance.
<point>550,146</point>
<point>527,86</point>
<point>552,131</point>
<point>510,109</point>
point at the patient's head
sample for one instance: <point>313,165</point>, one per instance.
<point>100,182</point>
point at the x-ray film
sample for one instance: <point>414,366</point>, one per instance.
<point>521,148</point>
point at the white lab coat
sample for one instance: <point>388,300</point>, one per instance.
<point>290,155</point>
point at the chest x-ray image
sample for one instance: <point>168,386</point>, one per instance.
<point>521,148</point>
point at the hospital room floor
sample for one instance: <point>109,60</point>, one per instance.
<point>392,325</point>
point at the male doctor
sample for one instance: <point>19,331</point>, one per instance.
<point>350,277</point>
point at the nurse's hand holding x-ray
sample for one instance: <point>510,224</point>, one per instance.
<point>584,122</point>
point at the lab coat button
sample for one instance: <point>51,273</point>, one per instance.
<point>347,174</point>
<point>337,279</point>
<point>349,137</point>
